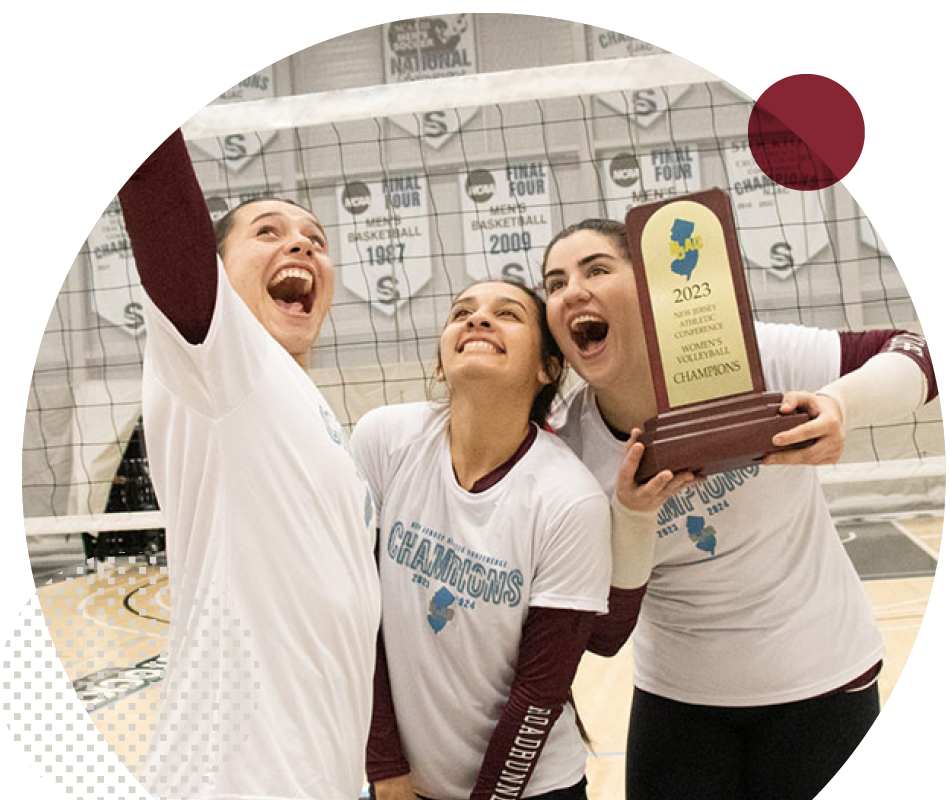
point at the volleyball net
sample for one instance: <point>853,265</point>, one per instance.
<point>426,186</point>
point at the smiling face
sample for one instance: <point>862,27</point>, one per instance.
<point>277,260</point>
<point>592,308</point>
<point>493,333</point>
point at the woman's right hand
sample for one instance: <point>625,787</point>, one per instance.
<point>649,496</point>
<point>398,788</point>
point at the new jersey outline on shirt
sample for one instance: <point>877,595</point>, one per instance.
<point>708,496</point>
<point>439,611</point>
<point>701,534</point>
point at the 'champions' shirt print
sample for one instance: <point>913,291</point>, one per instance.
<point>458,577</point>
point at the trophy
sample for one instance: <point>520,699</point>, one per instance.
<point>713,411</point>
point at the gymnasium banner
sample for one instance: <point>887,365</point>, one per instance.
<point>237,150</point>
<point>116,290</point>
<point>645,106</point>
<point>603,43</point>
<point>659,173</point>
<point>431,47</point>
<point>506,221</point>
<point>780,229</point>
<point>220,203</point>
<point>385,256</point>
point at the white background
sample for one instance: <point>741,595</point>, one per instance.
<point>90,90</point>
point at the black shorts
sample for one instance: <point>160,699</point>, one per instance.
<point>789,751</point>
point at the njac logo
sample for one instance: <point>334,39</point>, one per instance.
<point>356,197</point>
<point>684,248</point>
<point>480,186</point>
<point>624,170</point>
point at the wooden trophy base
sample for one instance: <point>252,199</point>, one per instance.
<point>715,436</point>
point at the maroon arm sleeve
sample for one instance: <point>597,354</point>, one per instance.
<point>384,754</point>
<point>859,347</point>
<point>172,238</point>
<point>612,630</point>
<point>552,643</point>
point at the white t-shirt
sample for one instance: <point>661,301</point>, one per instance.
<point>274,590</point>
<point>752,599</point>
<point>459,572</point>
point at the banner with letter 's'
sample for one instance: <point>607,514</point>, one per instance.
<point>422,48</point>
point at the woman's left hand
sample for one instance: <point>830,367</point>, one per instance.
<point>825,427</point>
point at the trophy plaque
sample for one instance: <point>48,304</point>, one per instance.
<point>713,411</point>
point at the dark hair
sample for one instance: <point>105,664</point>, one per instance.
<point>224,225</point>
<point>613,230</point>
<point>541,405</point>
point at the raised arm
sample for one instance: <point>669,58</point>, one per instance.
<point>173,238</point>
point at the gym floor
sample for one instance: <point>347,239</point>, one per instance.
<point>110,628</point>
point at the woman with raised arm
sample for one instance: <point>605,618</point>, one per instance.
<point>494,560</point>
<point>755,648</point>
<point>270,526</point>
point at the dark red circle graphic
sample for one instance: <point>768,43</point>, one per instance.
<point>806,132</point>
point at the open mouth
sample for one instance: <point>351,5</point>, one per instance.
<point>292,289</point>
<point>588,330</point>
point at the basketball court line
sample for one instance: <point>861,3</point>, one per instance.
<point>110,624</point>
<point>915,539</point>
